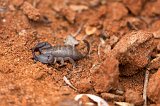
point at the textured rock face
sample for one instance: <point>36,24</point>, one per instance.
<point>114,13</point>
<point>153,90</point>
<point>134,6</point>
<point>133,97</point>
<point>151,8</point>
<point>154,64</point>
<point>31,12</point>
<point>133,51</point>
<point>106,76</point>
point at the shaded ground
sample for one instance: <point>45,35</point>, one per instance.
<point>24,23</point>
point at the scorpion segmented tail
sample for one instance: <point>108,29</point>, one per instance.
<point>88,47</point>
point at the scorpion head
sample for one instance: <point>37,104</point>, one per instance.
<point>46,58</point>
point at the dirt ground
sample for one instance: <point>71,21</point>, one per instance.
<point>124,36</point>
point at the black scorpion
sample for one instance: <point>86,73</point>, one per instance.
<point>49,54</point>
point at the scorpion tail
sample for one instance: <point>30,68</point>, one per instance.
<point>88,47</point>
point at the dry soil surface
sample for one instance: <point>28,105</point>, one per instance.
<point>124,36</point>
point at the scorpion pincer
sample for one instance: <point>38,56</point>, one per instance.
<point>49,54</point>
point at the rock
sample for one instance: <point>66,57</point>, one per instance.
<point>133,51</point>
<point>151,9</point>
<point>90,30</point>
<point>68,102</point>
<point>40,75</point>
<point>158,47</point>
<point>155,29</point>
<point>154,64</point>
<point>84,85</point>
<point>106,76</point>
<point>112,97</point>
<point>68,14</point>
<point>157,34</point>
<point>111,26</point>
<point>94,3</point>
<point>153,89</point>
<point>113,40</point>
<point>30,11</point>
<point>134,23</point>
<point>17,3</point>
<point>155,26</point>
<point>133,97</point>
<point>78,8</point>
<point>113,11</point>
<point>134,6</point>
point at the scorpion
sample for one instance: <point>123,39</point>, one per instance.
<point>49,54</point>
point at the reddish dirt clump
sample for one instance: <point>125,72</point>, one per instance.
<point>133,51</point>
<point>31,12</point>
<point>108,72</point>
<point>154,88</point>
<point>134,97</point>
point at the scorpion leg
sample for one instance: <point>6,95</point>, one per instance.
<point>71,61</point>
<point>61,61</point>
<point>55,60</point>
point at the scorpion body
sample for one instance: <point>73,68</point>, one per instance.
<point>49,54</point>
